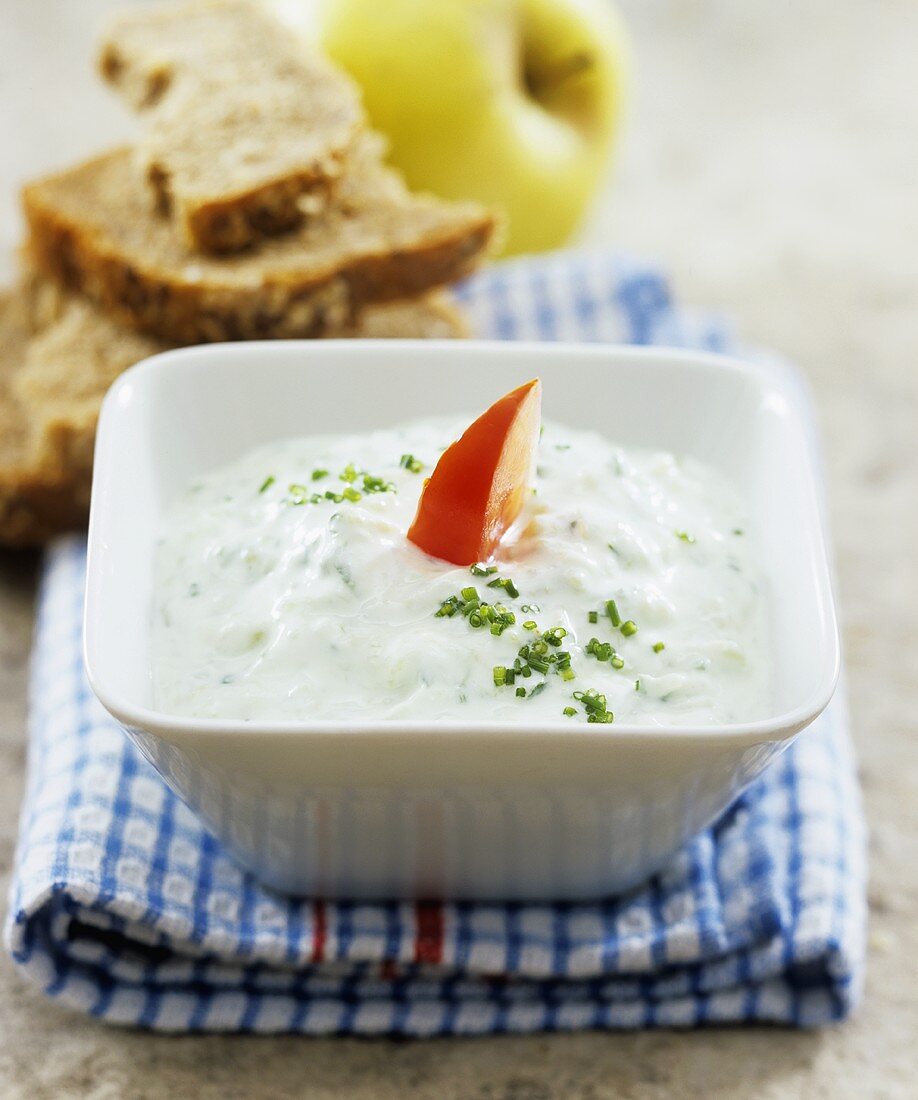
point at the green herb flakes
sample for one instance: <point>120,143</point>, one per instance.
<point>594,705</point>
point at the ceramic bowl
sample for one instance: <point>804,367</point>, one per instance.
<point>398,809</point>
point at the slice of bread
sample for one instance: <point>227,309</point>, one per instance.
<point>92,228</point>
<point>67,369</point>
<point>433,317</point>
<point>58,356</point>
<point>37,500</point>
<point>245,129</point>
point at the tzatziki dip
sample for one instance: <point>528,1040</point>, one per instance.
<point>626,591</point>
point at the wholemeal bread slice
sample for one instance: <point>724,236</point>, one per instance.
<point>58,356</point>
<point>432,317</point>
<point>37,500</point>
<point>67,369</point>
<point>15,330</point>
<point>92,228</point>
<point>242,121</point>
<point>70,363</point>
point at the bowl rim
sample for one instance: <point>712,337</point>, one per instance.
<point>779,727</point>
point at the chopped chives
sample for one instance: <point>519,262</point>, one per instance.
<point>629,627</point>
<point>299,495</point>
<point>602,651</point>
<point>569,712</point>
<point>594,616</point>
<point>480,569</point>
<point>591,699</point>
<point>373,484</point>
<point>658,647</point>
<point>617,662</point>
<point>410,463</point>
<point>684,536</point>
<point>267,483</point>
<point>612,612</point>
<point>521,693</point>
<point>594,705</point>
<point>506,584</point>
<point>500,675</point>
<point>539,655</point>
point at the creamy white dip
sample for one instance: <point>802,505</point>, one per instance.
<point>273,604</point>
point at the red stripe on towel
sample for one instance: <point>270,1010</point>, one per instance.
<point>428,940</point>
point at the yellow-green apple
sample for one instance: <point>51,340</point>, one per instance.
<point>514,103</point>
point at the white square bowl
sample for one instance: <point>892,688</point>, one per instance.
<point>401,809</point>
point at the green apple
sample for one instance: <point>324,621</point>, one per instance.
<point>514,103</point>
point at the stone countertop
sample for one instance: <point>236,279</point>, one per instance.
<point>770,164</point>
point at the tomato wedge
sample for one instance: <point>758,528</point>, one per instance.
<point>479,485</point>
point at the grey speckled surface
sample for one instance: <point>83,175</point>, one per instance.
<point>771,164</point>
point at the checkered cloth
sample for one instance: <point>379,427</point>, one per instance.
<point>124,906</point>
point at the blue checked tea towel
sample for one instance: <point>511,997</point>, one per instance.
<point>123,906</point>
